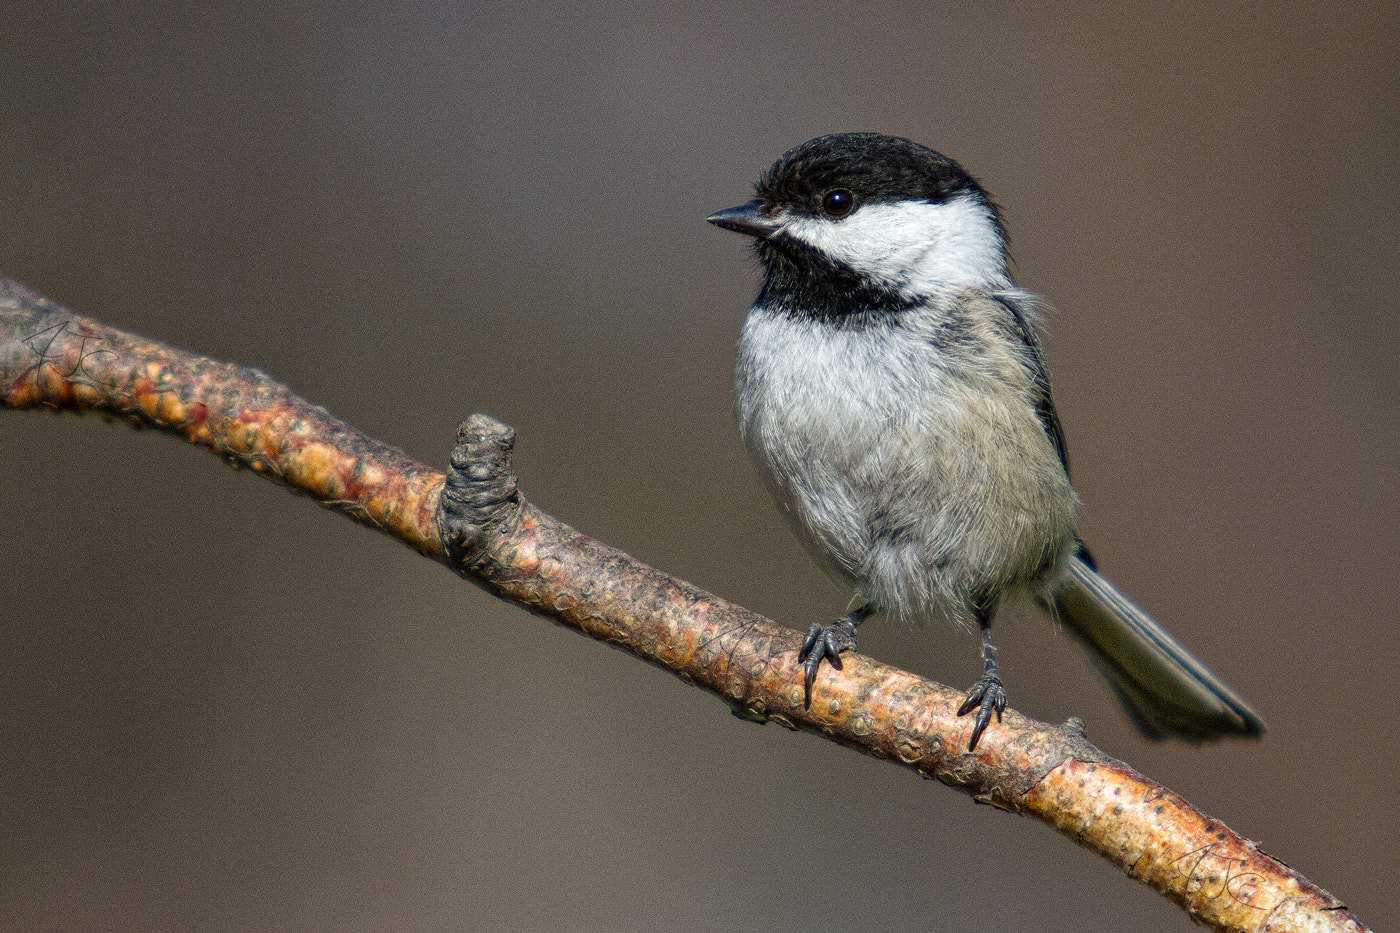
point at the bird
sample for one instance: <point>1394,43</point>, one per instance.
<point>892,390</point>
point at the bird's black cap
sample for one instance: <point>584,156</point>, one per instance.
<point>876,168</point>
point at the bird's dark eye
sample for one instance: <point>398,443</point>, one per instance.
<point>838,203</point>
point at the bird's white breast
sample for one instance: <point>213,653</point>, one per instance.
<point>917,483</point>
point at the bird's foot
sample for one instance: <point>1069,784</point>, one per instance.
<point>825,642</point>
<point>987,696</point>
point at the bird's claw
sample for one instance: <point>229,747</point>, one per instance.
<point>987,696</point>
<point>824,642</point>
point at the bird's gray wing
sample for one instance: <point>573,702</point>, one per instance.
<point>1040,372</point>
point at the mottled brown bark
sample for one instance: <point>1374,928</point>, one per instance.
<point>52,358</point>
<point>475,521</point>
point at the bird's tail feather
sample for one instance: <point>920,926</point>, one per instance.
<point>1165,690</point>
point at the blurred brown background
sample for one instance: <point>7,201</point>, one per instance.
<point>227,709</point>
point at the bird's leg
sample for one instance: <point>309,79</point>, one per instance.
<point>827,642</point>
<point>988,694</point>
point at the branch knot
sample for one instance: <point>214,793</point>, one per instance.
<point>480,496</point>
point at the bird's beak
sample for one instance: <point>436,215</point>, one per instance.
<point>747,219</point>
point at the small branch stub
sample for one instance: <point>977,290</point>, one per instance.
<point>480,498</point>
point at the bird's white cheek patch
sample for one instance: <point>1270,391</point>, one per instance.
<point>915,246</point>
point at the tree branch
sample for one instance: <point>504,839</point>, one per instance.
<point>475,521</point>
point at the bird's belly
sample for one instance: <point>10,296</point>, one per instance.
<point>927,495</point>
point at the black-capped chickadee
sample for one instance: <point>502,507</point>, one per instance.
<point>892,390</point>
